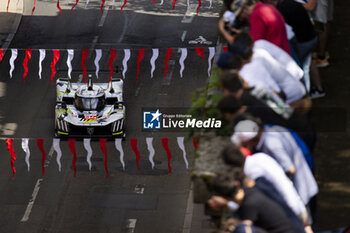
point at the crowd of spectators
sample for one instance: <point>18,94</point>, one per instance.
<point>268,77</point>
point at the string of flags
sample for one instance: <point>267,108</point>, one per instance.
<point>199,2</point>
<point>87,146</point>
<point>200,51</point>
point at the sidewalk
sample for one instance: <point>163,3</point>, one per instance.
<point>9,21</point>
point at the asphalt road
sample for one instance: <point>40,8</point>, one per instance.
<point>129,201</point>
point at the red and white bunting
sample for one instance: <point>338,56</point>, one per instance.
<point>118,146</point>
<point>9,146</point>
<point>173,4</point>
<point>97,60</point>
<point>14,53</point>
<point>87,146</point>
<point>139,59</point>
<point>180,143</point>
<point>199,6</point>
<point>113,54</point>
<point>104,151</point>
<point>169,51</point>
<point>56,57</point>
<point>34,4</point>
<point>58,7</point>
<point>155,54</point>
<point>133,144</point>
<point>70,57</point>
<point>102,5</point>
<point>57,148</point>
<point>165,144</point>
<point>42,55</point>
<point>40,143</point>
<point>1,54</point>
<point>121,9</point>
<point>76,3</point>
<point>150,148</point>
<point>126,58</point>
<point>71,145</point>
<point>112,57</point>
<point>25,147</point>
<point>200,52</point>
<point>182,60</point>
<point>85,54</point>
<point>210,58</point>
<point>25,62</point>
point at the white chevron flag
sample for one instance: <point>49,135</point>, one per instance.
<point>42,55</point>
<point>118,146</point>
<point>210,58</point>
<point>69,62</point>
<point>180,142</point>
<point>125,61</point>
<point>97,60</point>
<point>151,150</point>
<point>25,147</point>
<point>153,60</point>
<point>14,53</point>
<point>182,60</point>
<point>87,146</point>
<point>56,147</point>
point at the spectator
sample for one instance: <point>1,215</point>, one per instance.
<point>269,67</point>
<point>297,17</point>
<point>253,205</point>
<point>266,172</point>
<point>277,142</point>
<point>258,103</point>
<point>265,22</point>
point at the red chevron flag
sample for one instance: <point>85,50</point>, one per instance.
<point>25,63</point>
<point>9,143</point>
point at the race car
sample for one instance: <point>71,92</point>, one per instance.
<point>92,110</point>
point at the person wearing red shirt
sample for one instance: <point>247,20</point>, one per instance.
<point>265,22</point>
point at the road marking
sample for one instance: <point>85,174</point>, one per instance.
<point>130,225</point>
<point>139,189</point>
<point>183,36</point>
<point>189,212</point>
<point>125,27</point>
<point>36,190</point>
<point>190,13</point>
<point>104,16</point>
<point>137,91</point>
<point>167,80</point>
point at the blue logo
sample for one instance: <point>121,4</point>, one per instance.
<point>151,120</point>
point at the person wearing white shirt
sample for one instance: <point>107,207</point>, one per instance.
<point>270,68</point>
<point>262,165</point>
<point>278,143</point>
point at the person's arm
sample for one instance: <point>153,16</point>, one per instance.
<point>310,5</point>
<point>228,37</point>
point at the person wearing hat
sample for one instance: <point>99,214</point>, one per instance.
<point>278,142</point>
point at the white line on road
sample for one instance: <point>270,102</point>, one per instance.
<point>130,225</point>
<point>189,212</point>
<point>125,27</point>
<point>183,36</point>
<point>167,80</point>
<point>139,189</point>
<point>36,189</point>
<point>104,16</point>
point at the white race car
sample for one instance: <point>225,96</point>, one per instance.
<point>89,110</point>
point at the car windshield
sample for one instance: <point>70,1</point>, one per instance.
<point>89,104</point>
